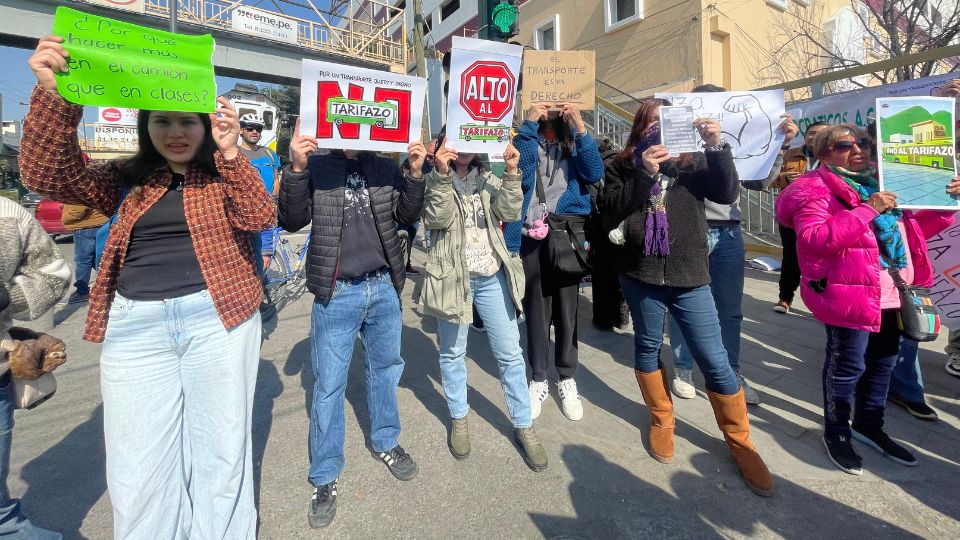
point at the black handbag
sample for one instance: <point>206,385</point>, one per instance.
<point>918,317</point>
<point>565,252</point>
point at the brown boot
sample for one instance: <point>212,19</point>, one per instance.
<point>653,386</point>
<point>731,413</point>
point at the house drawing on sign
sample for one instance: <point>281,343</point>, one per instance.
<point>928,131</point>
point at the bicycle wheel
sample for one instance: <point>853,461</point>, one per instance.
<point>276,276</point>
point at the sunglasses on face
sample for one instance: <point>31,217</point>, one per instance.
<point>846,146</point>
<point>258,129</point>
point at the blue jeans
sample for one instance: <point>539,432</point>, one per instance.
<point>84,253</point>
<point>906,383</point>
<point>491,298</point>
<point>12,523</point>
<point>368,306</point>
<point>178,393</point>
<point>696,318</point>
<point>726,285</point>
<point>856,374</point>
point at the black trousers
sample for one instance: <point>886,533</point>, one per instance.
<point>546,303</point>
<point>789,267</point>
<point>609,307</point>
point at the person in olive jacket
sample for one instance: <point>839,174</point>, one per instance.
<point>665,267</point>
<point>355,269</point>
<point>469,263</point>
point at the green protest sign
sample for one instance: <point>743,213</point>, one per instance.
<point>119,64</point>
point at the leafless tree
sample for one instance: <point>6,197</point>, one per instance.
<point>810,42</point>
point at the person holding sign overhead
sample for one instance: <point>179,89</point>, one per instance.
<point>664,268</point>
<point>469,260</point>
<point>175,304</point>
<point>354,201</point>
<point>558,161</point>
<point>852,244</point>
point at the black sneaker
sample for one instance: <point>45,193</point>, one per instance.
<point>76,298</point>
<point>399,462</point>
<point>323,506</point>
<point>841,453</point>
<point>881,442</point>
<point>917,408</point>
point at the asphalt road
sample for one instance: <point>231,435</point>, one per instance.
<point>601,482</point>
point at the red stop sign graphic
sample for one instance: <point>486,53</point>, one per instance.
<point>487,90</point>
<point>112,115</point>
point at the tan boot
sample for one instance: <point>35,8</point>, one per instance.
<point>653,386</point>
<point>731,413</point>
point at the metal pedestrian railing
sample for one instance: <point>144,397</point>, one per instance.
<point>368,29</point>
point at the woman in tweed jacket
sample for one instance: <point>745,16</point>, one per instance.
<point>175,305</point>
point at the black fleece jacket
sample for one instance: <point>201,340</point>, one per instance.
<point>711,175</point>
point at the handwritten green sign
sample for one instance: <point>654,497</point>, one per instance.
<point>118,64</point>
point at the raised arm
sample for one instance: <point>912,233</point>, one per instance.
<point>507,202</point>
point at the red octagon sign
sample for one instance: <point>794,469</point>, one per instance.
<point>487,90</point>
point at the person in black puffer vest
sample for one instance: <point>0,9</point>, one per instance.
<point>355,268</point>
<point>665,267</point>
<point>609,309</point>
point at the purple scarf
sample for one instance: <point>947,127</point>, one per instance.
<point>657,237</point>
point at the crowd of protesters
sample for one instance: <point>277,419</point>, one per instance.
<point>192,220</point>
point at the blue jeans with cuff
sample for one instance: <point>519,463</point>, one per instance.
<point>368,306</point>
<point>726,285</point>
<point>696,317</point>
<point>906,383</point>
<point>492,300</point>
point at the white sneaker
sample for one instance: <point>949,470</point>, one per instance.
<point>683,383</point>
<point>749,394</point>
<point>538,393</point>
<point>570,399</point>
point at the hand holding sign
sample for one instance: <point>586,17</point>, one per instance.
<point>653,157</point>
<point>443,158</point>
<point>225,128</point>
<point>49,58</point>
<point>709,130</point>
<point>511,156</point>
<point>301,146</point>
<point>571,115</point>
<point>418,153</point>
<point>537,112</point>
<point>789,129</point>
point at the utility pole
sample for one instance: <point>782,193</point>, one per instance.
<point>174,4</point>
<point>421,61</point>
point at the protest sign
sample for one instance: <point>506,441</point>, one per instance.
<point>483,94</point>
<point>944,252</point>
<point>118,116</point>
<point>749,122</point>
<point>353,108</point>
<point>857,107</point>
<point>915,147</point>
<point>128,5</point>
<point>559,77</point>
<point>260,23</point>
<point>677,131</point>
<point>118,64</point>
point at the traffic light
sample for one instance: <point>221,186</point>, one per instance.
<point>501,19</point>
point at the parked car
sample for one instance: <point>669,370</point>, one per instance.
<point>30,199</point>
<point>49,214</point>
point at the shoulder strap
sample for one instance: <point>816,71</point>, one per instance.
<point>541,195</point>
<point>894,273</point>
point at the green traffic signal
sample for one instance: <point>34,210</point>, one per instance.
<point>504,17</point>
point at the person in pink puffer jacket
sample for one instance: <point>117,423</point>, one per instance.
<point>843,224</point>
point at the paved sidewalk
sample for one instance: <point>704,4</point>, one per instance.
<point>601,482</point>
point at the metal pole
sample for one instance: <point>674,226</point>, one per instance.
<point>174,4</point>
<point>420,56</point>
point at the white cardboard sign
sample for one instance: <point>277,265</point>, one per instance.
<point>749,121</point>
<point>483,94</point>
<point>260,23</point>
<point>352,108</point>
<point>944,251</point>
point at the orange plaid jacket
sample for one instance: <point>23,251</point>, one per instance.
<point>221,212</point>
